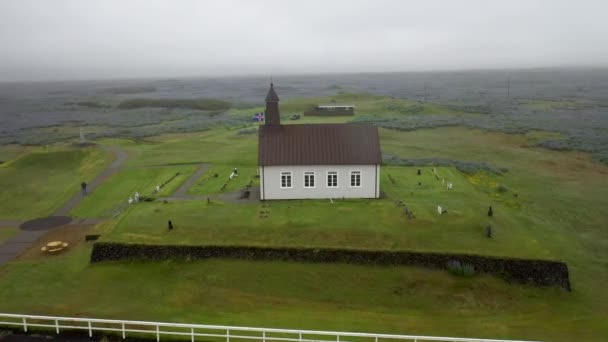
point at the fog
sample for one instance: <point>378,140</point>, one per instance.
<point>42,40</point>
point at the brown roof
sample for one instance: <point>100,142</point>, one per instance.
<point>319,144</point>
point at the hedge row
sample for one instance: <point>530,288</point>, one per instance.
<point>536,272</point>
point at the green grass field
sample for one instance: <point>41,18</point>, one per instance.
<point>548,204</point>
<point>294,295</point>
<point>313,223</point>
<point>212,184</point>
<point>10,152</point>
<point>38,183</point>
<point>116,192</point>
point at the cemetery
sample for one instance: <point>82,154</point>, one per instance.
<point>445,191</point>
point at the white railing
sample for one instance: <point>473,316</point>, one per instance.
<point>224,333</point>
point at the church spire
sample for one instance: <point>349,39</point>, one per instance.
<point>272,116</point>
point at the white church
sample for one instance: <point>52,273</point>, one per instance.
<point>300,161</point>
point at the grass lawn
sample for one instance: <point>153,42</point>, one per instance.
<point>219,146</point>
<point>10,152</point>
<point>348,223</point>
<point>210,184</point>
<point>549,204</point>
<point>296,295</point>
<point>114,194</point>
<point>38,183</point>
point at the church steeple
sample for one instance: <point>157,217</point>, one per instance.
<point>272,116</point>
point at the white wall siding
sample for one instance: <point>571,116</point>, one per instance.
<point>270,182</point>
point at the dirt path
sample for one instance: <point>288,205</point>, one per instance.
<point>120,158</point>
<point>200,171</point>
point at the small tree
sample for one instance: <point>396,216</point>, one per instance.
<point>490,212</point>
<point>419,172</point>
<point>489,231</point>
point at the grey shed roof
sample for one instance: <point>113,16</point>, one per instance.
<point>319,144</point>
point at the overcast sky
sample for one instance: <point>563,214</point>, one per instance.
<point>120,38</point>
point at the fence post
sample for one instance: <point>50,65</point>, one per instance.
<point>24,325</point>
<point>124,335</point>
<point>338,338</point>
<point>227,335</point>
<point>90,330</point>
<point>157,333</point>
<point>57,325</point>
<point>263,335</point>
<point>192,333</point>
<point>377,339</point>
<point>300,336</point>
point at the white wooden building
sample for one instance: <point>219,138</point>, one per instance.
<point>317,160</point>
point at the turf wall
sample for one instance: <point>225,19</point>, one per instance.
<point>529,271</point>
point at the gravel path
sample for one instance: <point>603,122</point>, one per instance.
<point>200,171</point>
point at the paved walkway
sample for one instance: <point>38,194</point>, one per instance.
<point>24,239</point>
<point>18,244</point>
<point>10,223</point>
<point>200,171</point>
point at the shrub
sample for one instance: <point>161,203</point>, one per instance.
<point>467,167</point>
<point>88,103</point>
<point>200,104</point>
<point>502,188</point>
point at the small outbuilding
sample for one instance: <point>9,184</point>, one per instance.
<point>331,110</point>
